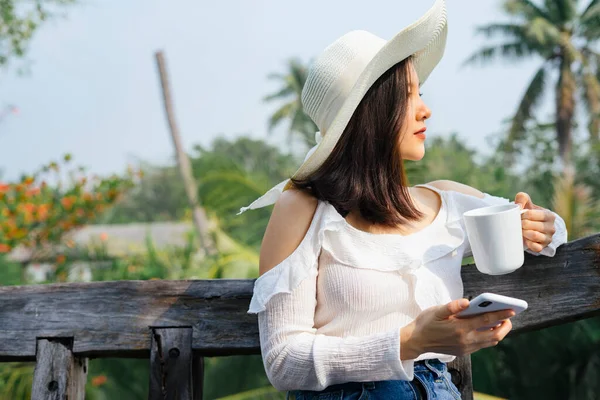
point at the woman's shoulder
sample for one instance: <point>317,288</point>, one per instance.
<point>290,221</point>
<point>452,186</point>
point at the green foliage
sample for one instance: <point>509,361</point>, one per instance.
<point>18,22</point>
<point>160,190</point>
<point>16,380</point>
<point>292,82</point>
<point>566,41</point>
<point>10,273</point>
<point>554,363</point>
<point>248,372</point>
<point>232,175</point>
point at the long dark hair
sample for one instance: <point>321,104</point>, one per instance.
<point>365,171</point>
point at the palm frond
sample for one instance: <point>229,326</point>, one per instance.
<point>567,10</point>
<point>514,51</point>
<point>592,11</point>
<point>560,11</point>
<point>576,205</point>
<point>235,259</point>
<point>303,125</point>
<point>292,85</point>
<point>526,9</point>
<point>281,94</point>
<point>531,99</point>
<point>591,98</point>
<point>284,112</point>
<point>514,30</point>
<point>543,33</point>
<point>590,21</point>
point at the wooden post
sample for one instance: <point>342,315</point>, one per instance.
<point>58,374</point>
<point>460,369</point>
<point>198,376</point>
<point>171,364</point>
<point>185,169</point>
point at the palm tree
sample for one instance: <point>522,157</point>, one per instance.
<point>292,83</point>
<point>576,204</point>
<point>564,36</point>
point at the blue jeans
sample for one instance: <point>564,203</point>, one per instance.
<point>432,381</point>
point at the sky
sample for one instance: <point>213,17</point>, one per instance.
<point>92,87</point>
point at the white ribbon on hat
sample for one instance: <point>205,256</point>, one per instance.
<point>273,194</point>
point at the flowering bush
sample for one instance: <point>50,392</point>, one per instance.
<point>40,209</point>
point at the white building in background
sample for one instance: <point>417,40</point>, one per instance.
<point>118,240</point>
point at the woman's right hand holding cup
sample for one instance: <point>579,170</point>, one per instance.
<point>439,330</point>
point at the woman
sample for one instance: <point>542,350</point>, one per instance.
<point>360,274</point>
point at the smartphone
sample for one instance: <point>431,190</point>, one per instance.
<point>489,302</point>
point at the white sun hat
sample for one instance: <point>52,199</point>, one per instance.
<point>343,73</point>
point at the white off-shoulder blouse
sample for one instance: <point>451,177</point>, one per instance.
<point>331,312</point>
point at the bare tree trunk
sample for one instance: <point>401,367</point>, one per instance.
<point>198,213</point>
<point>565,109</point>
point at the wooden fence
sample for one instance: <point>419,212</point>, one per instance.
<point>175,324</point>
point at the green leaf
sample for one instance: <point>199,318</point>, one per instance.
<point>529,102</point>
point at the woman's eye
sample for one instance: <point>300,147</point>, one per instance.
<point>420,94</point>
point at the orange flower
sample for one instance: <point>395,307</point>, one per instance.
<point>99,380</point>
<point>42,212</point>
<point>4,188</point>
<point>28,180</point>
<point>4,248</point>
<point>104,236</point>
<point>61,259</point>
<point>67,202</point>
<point>32,191</point>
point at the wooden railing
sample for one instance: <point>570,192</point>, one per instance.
<point>175,324</point>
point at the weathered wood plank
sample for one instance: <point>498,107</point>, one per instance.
<point>171,364</point>
<point>58,374</point>
<point>113,318</point>
<point>559,289</point>
<point>462,377</point>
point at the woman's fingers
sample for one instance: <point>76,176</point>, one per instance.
<point>491,337</point>
<point>498,333</point>
<point>539,215</point>
<point>489,318</point>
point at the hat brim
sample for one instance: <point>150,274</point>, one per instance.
<point>425,40</point>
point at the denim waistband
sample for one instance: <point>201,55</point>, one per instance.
<point>434,365</point>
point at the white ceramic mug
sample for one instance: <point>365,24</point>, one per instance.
<point>496,238</point>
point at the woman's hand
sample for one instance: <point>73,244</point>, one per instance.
<point>537,223</point>
<point>438,330</point>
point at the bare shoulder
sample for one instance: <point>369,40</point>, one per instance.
<point>289,222</point>
<point>449,185</point>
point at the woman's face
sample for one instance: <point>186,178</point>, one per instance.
<point>412,139</point>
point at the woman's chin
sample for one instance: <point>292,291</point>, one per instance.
<point>414,156</point>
